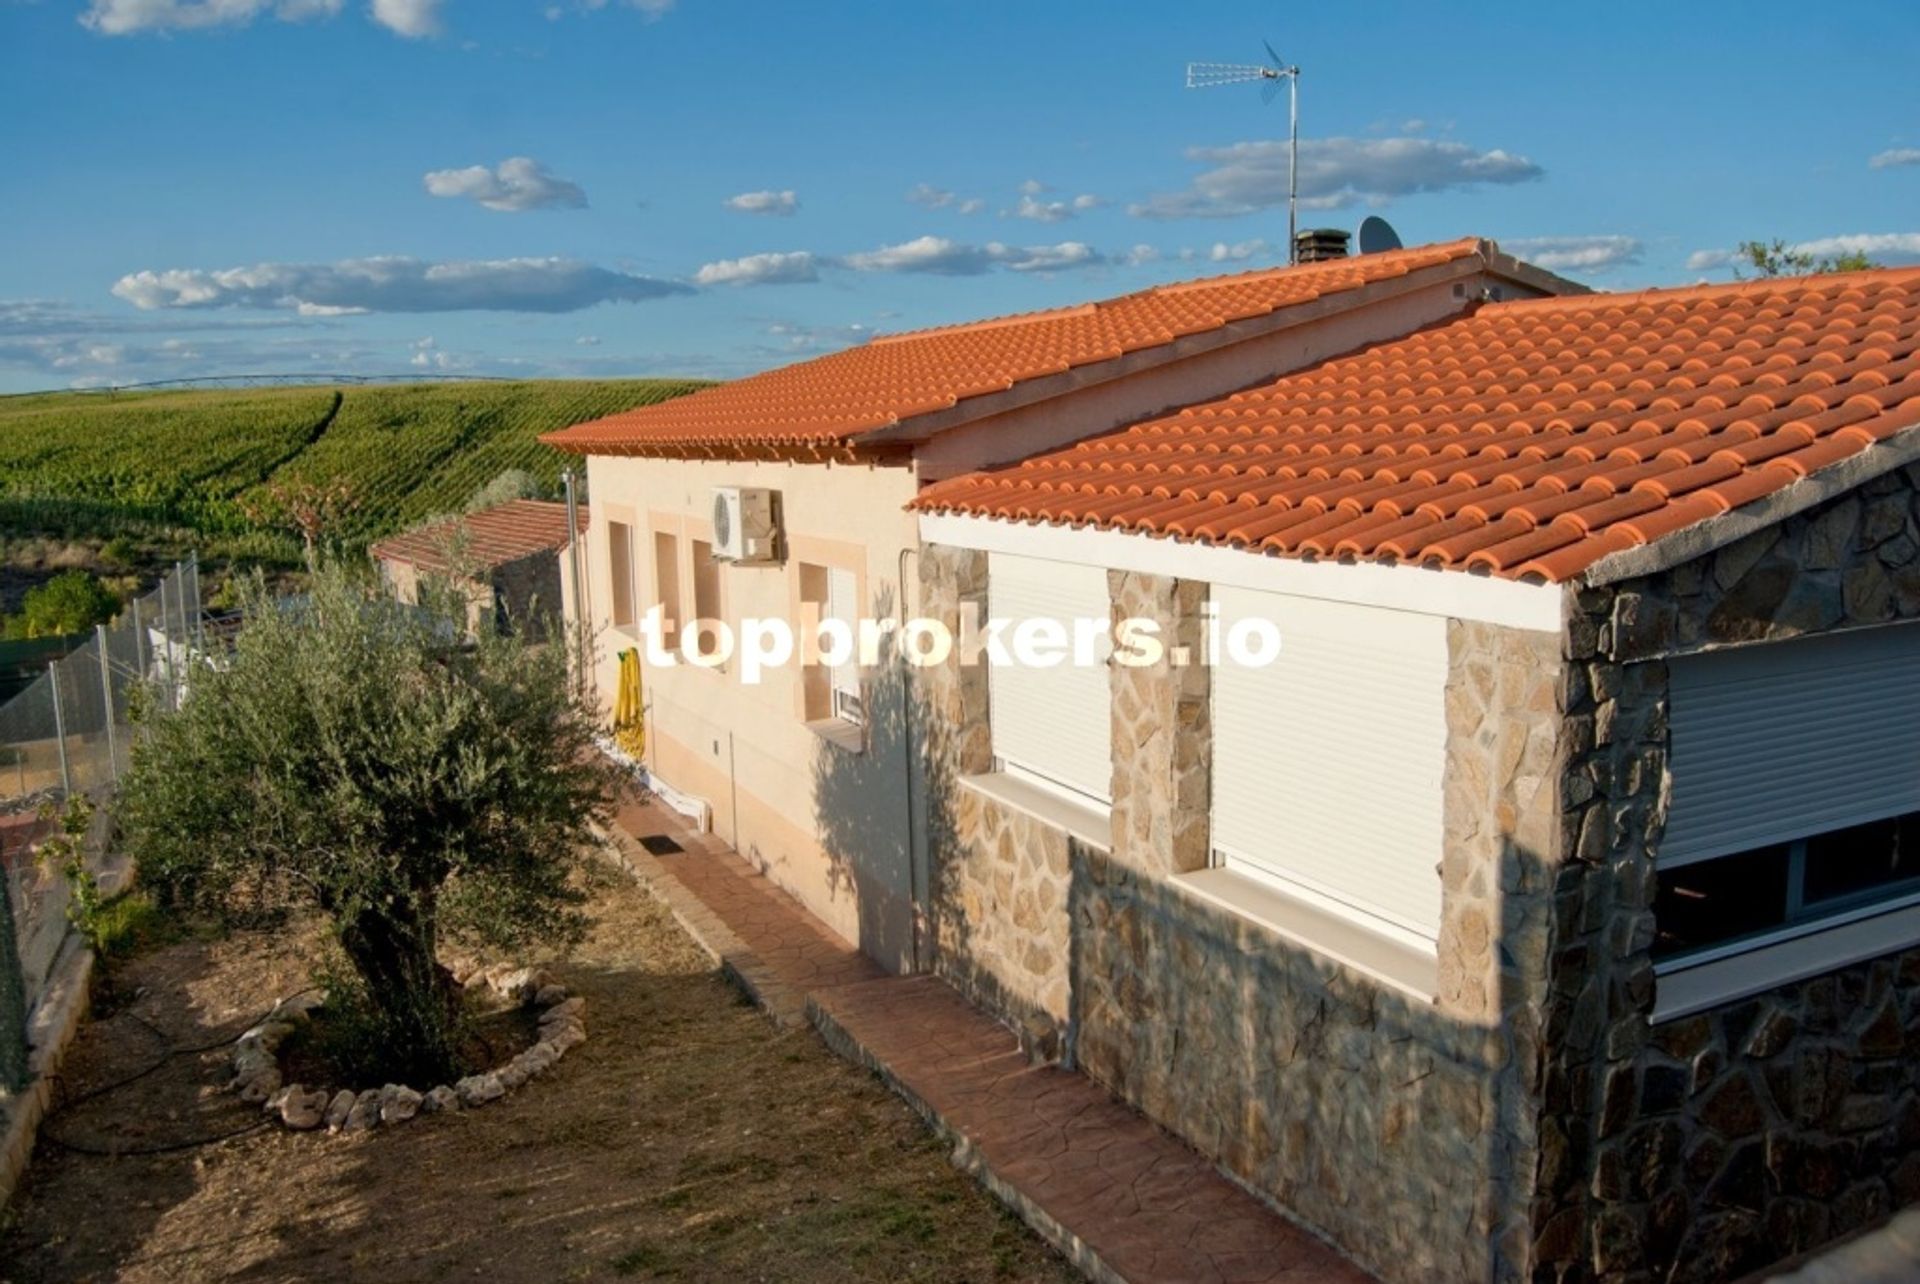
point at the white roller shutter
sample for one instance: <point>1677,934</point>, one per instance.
<point>1054,722</point>
<point>1327,763</point>
<point>1789,739</point>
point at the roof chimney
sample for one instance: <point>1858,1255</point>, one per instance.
<point>1318,244</point>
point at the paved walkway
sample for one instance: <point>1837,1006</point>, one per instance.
<point>1122,1198</point>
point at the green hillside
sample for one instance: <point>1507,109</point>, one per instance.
<point>198,468</point>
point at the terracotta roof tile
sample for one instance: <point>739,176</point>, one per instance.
<point>491,537</point>
<point>831,399</point>
<point>1527,439</point>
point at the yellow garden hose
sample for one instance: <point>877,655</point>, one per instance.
<point>629,724</point>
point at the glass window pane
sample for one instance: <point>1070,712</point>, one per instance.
<point>1715,901</point>
<point>1849,862</point>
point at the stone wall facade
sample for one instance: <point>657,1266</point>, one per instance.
<point>1000,879</point>
<point>1402,1127</point>
<point>1708,1146</point>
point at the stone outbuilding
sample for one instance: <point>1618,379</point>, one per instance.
<point>510,560</point>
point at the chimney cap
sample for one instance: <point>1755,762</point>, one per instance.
<point>1318,244</point>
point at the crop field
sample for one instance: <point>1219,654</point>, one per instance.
<point>203,464</point>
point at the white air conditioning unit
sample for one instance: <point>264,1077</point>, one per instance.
<point>746,524</point>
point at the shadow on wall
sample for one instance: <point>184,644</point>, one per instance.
<point>1406,1135</point>
<point>869,799</point>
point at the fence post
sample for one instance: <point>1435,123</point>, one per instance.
<point>166,642</point>
<point>60,729</point>
<point>106,700</point>
<point>199,613</point>
<point>139,640</point>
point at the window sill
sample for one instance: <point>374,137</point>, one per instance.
<point>850,737</point>
<point>1413,971</point>
<point>1090,824</point>
<point>1683,989</point>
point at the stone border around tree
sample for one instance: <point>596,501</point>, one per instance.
<point>257,1077</point>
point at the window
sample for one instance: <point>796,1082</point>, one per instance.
<point>706,586</point>
<point>666,587</point>
<point>1328,761</point>
<point>1799,884</point>
<point>620,563</point>
<point>1052,724</point>
<point>832,691</point>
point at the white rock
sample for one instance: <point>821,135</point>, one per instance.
<point>440,1100</point>
<point>249,1062</point>
<point>564,1035</point>
<point>548,995</point>
<point>398,1103</point>
<point>538,1059</point>
<point>279,1098</point>
<point>365,1113</point>
<point>479,1089</point>
<point>257,1088</point>
<point>339,1108</point>
<point>303,1110</point>
<point>512,1074</point>
<point>575,1007</point>
<point>297,1010</point>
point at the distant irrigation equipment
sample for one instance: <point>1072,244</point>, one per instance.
<point>1211,75</point>
<point>265,381</point>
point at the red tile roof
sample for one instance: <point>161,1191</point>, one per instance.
<point>829,400</point>
<point>486,539</point>
<point>1526,439</point>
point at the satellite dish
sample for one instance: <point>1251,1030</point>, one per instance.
<point>1376,234</point>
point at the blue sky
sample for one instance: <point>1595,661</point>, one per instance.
<point>541,187</point>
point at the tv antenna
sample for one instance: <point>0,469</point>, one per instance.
<point>1209,75</point>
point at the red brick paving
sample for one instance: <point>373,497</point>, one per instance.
<point>1124,1199</point>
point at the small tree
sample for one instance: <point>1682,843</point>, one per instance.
<point>1777,258</point>
<point>311,509</point>
<point>376,763</point>
<point>514,483</point>
<point>71,602</point>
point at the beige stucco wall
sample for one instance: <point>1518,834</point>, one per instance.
<point>746,749</point>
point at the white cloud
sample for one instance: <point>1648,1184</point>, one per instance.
<point>395,284</point>
<point>776,203</point>
<point>1334,173</point>
<point>1895,248</point>
<point>1239,252</point>
<point>1032,207</point>
<point>410,18</point>
<point>1140,254</point>
<point>1883,247</point>
<point>929,197</point>
<point>939,256</point>
<point>518,184</point>
<point>1575,253</point>
<point>762,269</point>
<point>790,339</point>
<point>1895,156</point>
<point>127,17</point>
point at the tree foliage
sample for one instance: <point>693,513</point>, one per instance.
<point>513,483</point>
<point>368,761</point>
<point>1777,258</point>
<point>71,602</point>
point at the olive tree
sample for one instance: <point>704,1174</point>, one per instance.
<point>379,764</point>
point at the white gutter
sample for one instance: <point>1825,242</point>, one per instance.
<point>1455,594</point>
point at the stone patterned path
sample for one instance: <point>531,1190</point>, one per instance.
<point>1123,1199</point>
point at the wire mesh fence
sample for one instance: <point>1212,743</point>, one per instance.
<point>69,733</point>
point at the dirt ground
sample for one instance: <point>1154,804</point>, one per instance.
<point>687,1139</point>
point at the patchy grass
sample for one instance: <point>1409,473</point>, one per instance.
<point>687,1139</point>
